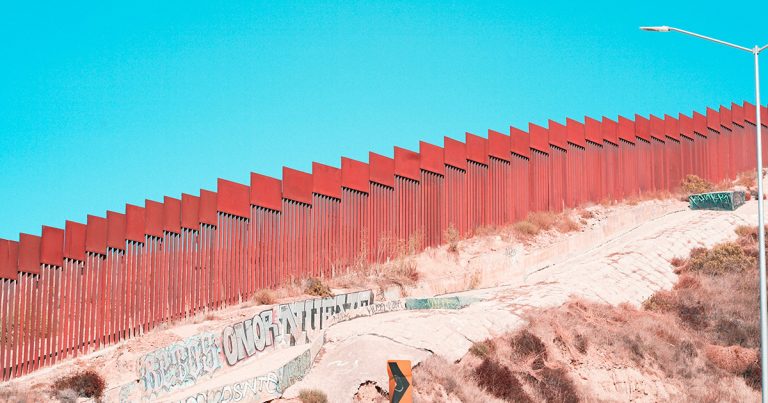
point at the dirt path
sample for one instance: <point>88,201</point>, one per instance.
<point>627,267</point>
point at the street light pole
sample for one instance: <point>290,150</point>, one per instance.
<point>761,236</point>
<point>760,213</point>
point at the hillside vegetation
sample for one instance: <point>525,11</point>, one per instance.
<point>697,342</point>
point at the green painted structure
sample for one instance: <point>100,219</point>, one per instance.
<point>730,200</point>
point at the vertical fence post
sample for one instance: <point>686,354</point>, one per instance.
<point>520,160</point>
<point>456,184</point>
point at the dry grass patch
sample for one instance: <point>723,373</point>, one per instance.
<point>312,396</point>
<point>723,258</point>
<point>678,262</point>
<point>86,384</point>
<point>746,179</point>
<point>542,221</point>
<point>733,359</point>
<point>401,271</point>
<point>526,229</point>
<point>566,224</point>
<point>291,288</point>
<point>500,382</point>
<point>485,230</point>
<point>264,297</point>
<point>451,236</point>
<point>316,287</point>
<point>437,380</point>
<point>693,184</point>
<point>481,349</point>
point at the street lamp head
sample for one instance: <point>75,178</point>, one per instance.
<point>662,28</point>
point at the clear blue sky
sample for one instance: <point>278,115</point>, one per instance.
<point>102,105</point>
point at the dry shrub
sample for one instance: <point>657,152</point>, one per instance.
<point>315,286</point>
<point>290,288</point>
<point>398,267</point>
<point>746,179</point>
<point>451,236</point>
<point>358,272</point>
<point>581,343</point>
<point>693,184</point>
<point>264,297</point>
<point>360,278</point>
<point>660,301</point>
<point>678,261</point>
<point>88,384</point>
<point>481,349</point>
<point>733,359</point>
<point>747,234</point>
<point>556,386</point>
<point>526,228</point>
<point>312,396</point>
<point>687,282</point>
<point>437,380</point>
<point>526,344</point>
<point>535,223</point>
<point>544,220</point>
<point>402,272</point>
<point>566,224</point>
<point>753,376</point>
<point>722,258</point>
<point>485,230</point>
<point>693,314</point>
<point>500,382</point>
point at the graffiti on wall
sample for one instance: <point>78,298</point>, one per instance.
<point>370,310</point>
<point>258,389</point>
<point>180,364</point>
<point>717,200</point>
<point>439,303</point>
<point>183,363</point>
<point>287,324</point>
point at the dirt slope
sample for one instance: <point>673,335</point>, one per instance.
<point>618,254</point>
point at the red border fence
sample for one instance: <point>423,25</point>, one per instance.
<point>74,290</point>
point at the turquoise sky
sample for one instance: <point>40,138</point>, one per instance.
<point>106,104</point>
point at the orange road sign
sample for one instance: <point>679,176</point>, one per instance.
<point>400,381</point>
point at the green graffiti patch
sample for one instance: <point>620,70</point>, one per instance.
<point>438,303</point>
<point>717,200</point>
